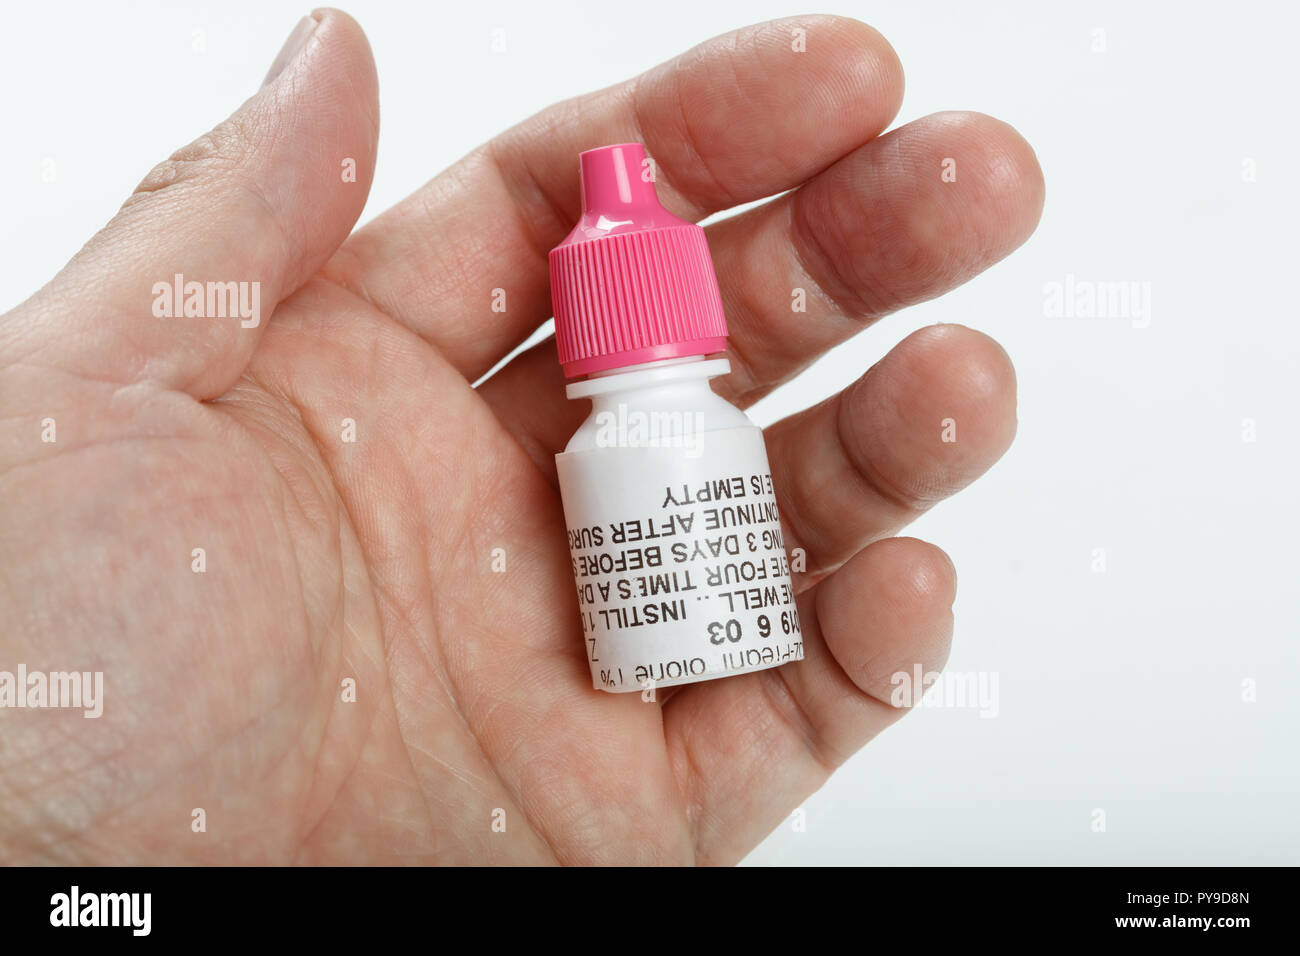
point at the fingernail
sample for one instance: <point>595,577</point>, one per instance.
<point>292,46</point>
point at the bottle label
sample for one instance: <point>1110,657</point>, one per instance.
<point>679,562</point>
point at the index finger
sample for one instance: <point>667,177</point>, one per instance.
<point>738,118</point>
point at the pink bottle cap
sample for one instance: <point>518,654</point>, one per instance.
<point>631,283</point>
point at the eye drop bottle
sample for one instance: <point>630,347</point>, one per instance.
<point>680,566</point>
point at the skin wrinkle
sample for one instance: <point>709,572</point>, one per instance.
<point>791,508</point>
<point>403,613</point>
<point>872,681</point>
<point>338,616</point>
<point>811,247</point>
<point>301,852</point>
<point>516,792</point>
<point>381,596</point>
<point>28,360</point>
<point>690,140</point>
<point>785,704</point>
<point>698,814</point>
<point>39,757</point>
<point>380,590</point>
<point>870,675</point>
<point>755,718</point>
<point>527,808</point>
<point>744,385</point>
<point>540,235</point>
<point>160,780</point>
<point>863,462</point>
<point>752,385</point>
<point>454,706</point>
<point>800,259</point>
<point>161,370</point>
<point>352,279</point>
<point>381,593</point>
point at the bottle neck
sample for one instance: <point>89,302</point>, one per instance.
<point>667,403</point>
<point>664,372</point>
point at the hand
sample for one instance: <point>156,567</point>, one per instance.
<point>328,564</point>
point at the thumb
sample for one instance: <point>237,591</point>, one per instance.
<point>177,288</point>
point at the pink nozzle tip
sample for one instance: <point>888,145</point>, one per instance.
<point>618,193</point>
<point>632,282</point>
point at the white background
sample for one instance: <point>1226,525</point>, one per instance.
<point>1120,690</point>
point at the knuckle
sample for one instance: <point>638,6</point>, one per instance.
<point>216,152</point>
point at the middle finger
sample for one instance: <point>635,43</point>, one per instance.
<point>879,230</point>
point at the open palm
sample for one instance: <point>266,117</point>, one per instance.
<point>326,578</point>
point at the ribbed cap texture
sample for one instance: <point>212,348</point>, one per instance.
<point>632,283</point>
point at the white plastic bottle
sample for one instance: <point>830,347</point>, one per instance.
<point>678,556</point>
